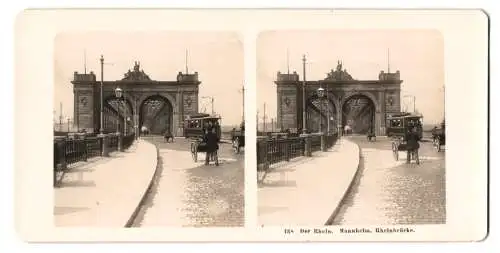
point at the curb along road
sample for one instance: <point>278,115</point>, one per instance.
<point>135,217</point>
<point>336,211</point>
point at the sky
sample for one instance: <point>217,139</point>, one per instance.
<point>216,56</point>
<point>417,54</point>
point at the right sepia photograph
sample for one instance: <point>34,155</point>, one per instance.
<point>351,128</point>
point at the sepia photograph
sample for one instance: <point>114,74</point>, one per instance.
<point>369,125</point>
<point>148,129</point>
<point>351,127</point>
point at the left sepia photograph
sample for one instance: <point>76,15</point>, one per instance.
<point>149,129</point>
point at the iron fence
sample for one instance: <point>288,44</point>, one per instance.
<point>276,150</point>
<point>279,148</point>
<point>113,142</point>
<point>315,143</point>
<point>68,151</point>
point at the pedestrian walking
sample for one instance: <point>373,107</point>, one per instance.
<point>212,146</point>
<point>412,144</point>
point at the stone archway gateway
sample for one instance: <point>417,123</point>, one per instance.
<point>160,105</point>
<point>363,103</point>
<point>358,112</point>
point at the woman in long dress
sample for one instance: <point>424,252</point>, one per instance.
<point>347,129</point>
<point>144,130</point>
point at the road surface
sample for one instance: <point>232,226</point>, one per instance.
<point>191,194</point>
<point>389,192</point>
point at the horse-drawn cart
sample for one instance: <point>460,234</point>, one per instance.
<point>196,128</point>
<point>199,146</point>
<point>439,137</point>
<point>398,127</point>
<point>238,138</point>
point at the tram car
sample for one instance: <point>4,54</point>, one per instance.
<point>439,137</point>
<point>398,126</point>
<point>195,128</point>
<point>238,138</point>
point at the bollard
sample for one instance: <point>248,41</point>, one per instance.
<point>323,143</point>
<point>84,146</point>
<point>104,145</point>
<point>308,144</point>
<point>120,142</point>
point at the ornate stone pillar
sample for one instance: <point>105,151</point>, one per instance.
<point>378,123</point>
<point>279,109</point>
<point>196,100</point>
<point>180,112</point>
<point>382,102</point>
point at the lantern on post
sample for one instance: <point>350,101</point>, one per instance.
<point>118,94</point>
<point>321,95</point>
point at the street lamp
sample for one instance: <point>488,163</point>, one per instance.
<point>118,94</point>
<point>304,95</point>
<point>101,127</point>
<point>321,94</point>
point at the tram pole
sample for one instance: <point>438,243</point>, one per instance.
<point>304,94</point>
<point>101,127</point>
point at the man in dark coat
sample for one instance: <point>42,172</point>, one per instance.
<point>212,145</point>
<point>412,144</point>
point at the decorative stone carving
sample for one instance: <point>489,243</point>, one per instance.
<point>137,74</point>
<point>339,74</point>
<point>287,101</point>
<point>84,101</point>
<point>390,100</point>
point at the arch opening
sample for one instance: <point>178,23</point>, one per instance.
<point>358,112</point>
<point>156,115</point>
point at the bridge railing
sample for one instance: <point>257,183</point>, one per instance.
<point>113,142</point>
<point>315,142</point>
<point>68,151</point>
<point>281,148</point>
<point>276,150</point>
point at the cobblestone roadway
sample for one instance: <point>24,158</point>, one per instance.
<point>190,194</point>
<point>392,192</point>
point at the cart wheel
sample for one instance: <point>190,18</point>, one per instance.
<point>236,145</point>
<point>437,145</point>
<point>395,151</point>
<point>194,152</point>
